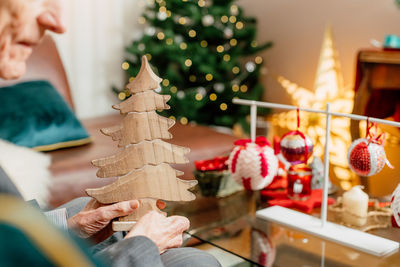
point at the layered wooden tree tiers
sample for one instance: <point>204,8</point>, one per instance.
<point>142,164</point>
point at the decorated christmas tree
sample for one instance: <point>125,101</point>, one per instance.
<point>141,165</point>
<point>206,51</point>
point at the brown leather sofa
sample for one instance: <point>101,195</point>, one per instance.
<point>71,167</point>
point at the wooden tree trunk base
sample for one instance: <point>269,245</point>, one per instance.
<point>127,222</point>
<point>122,226</point>
<point>146,205</point>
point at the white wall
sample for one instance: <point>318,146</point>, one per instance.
<point>93,50</point>
<point>297,28</point>
<point>100,29</point>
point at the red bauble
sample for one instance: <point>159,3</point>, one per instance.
<point>296,147</point>
<point>366,157</point>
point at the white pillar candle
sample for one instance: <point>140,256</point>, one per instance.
<point>355,206</point>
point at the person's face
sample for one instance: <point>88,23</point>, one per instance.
<point>22,25</point>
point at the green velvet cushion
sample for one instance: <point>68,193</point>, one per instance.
<point>33,114</point>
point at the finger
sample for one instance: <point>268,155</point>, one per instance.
<point>51,22</point>
<point>178,224</point>
<point>55,8</point>
<point>161,204</point>
<point>181,220</point>
<point>118,209</point>
<point>175,242</point>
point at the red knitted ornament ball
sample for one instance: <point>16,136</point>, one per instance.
<point>296,147</point>
<point>366,157</point>
<point>254,165</point>
<point>395,205</point>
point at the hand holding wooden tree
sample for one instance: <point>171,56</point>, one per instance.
<point>141,165</point>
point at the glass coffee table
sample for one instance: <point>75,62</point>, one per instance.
<point>227,227</point>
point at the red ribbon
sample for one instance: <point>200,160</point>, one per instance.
<point>260,141</point>
<point>374,138</point>
<point>215,164</point>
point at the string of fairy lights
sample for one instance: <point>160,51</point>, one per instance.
<point>228,21</point>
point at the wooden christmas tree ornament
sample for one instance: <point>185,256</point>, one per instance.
<point>142,164</point>
<point>136,127</point>
<point>147,101</point>
<point>145,80</point>
<point>137,155</point>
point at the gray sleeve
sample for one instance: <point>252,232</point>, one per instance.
<point>75,205</point>
<point>58,217</point>
<point>189,257</point>
<point>141,251</point>
<point>132,252</point>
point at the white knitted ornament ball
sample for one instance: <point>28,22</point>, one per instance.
<point>395,204</point>
<point>263,250</point>
<point>366,157</point>
<point>253,165</point>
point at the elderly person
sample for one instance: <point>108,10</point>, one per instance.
<point>155,238</point>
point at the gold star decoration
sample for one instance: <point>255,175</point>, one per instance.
<point>328,87</point>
